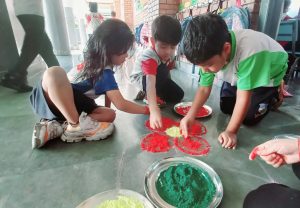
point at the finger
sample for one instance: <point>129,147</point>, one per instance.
<point>268,158</point>
<point>233,146</point>
<point>152,125</point>
<point>159,123</point>
<point>271,159</point>
<point>184,130</point>
<point>155,125</point>
<point>253,153</point>
<point>229,143</point>
<point>276,159</point>
<point>225,141</point>
<point>277,162</point>
<point>220,139</point>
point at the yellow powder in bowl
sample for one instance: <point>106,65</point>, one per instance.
<point>122,202</point>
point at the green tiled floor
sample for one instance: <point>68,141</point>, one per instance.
<point>62,175</point>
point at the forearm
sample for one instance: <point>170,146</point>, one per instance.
<point>151,92</point>
<point>124,105</point>
<point>201,97</point>
<point>130,107</point>
<point>240,110</point>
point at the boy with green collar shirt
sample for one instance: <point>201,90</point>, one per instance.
<point>251,64</point>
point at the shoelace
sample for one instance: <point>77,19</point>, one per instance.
<point>90,122</point>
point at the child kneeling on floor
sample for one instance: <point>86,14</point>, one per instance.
<point>152,68</point>
<point>251,64</point>
<point>56,99</point>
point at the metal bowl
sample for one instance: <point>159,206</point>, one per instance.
<point>155,169</point>
<point>185,104</point>
<point>96,200</point>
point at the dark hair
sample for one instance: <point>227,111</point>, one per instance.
<point>113,13</point>
<point>112,37</point>
<point>166,29</point>
<point>93,7</point>
<point>204,37</point>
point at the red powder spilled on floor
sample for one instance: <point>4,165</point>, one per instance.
<point>167,123</point>
<point>192,145</point>
<point>197,129</point>
<point>183,110</point>
<point>156,142</point>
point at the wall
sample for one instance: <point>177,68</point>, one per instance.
<point>201,7</point>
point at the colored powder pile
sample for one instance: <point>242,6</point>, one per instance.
<point>185,186</point>
<point>156,143</point>
<point>192,145</point>
<point>122,202</point>
<point>183,110</point>
<point>173,132</point>
<point>166,122</point>
<point>197,129</point>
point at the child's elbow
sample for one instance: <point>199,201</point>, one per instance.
<point>121,106</point>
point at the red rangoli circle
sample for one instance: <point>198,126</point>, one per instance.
<point>192,145</point>
<point>197,129</point>
<point>159,141</point>
<point>156,142</point>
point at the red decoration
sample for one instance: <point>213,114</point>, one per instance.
<point>192,145</point>
<point>197,129</point>
<point>156,143</point>
<point>183,110</point>
<point>167,123</point>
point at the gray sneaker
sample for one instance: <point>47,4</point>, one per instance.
<point>45,131</point>
<point>89,130</point>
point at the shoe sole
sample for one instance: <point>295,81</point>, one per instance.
<point>96,137</point>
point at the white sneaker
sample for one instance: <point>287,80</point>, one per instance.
<point>44,131</point>
<point>88,129</point>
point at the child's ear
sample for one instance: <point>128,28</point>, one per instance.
<point>227,49</point>
<point>152,42</point>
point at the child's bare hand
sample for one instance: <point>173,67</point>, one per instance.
<point>185,123</point>
<point>155,119</point>
<point>228,140</point>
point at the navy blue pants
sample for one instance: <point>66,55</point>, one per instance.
<point>166,88</point>
<point>260,105</point>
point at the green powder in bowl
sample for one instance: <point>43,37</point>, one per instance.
<point>122,202</point>
<point>185,186</point>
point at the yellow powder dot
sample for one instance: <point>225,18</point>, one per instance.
<point>173,132</point>
<point>122,202</point>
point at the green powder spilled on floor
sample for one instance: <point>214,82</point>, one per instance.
<point>122,202</point>
<point>185,186</point>
<point>173,132</point>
